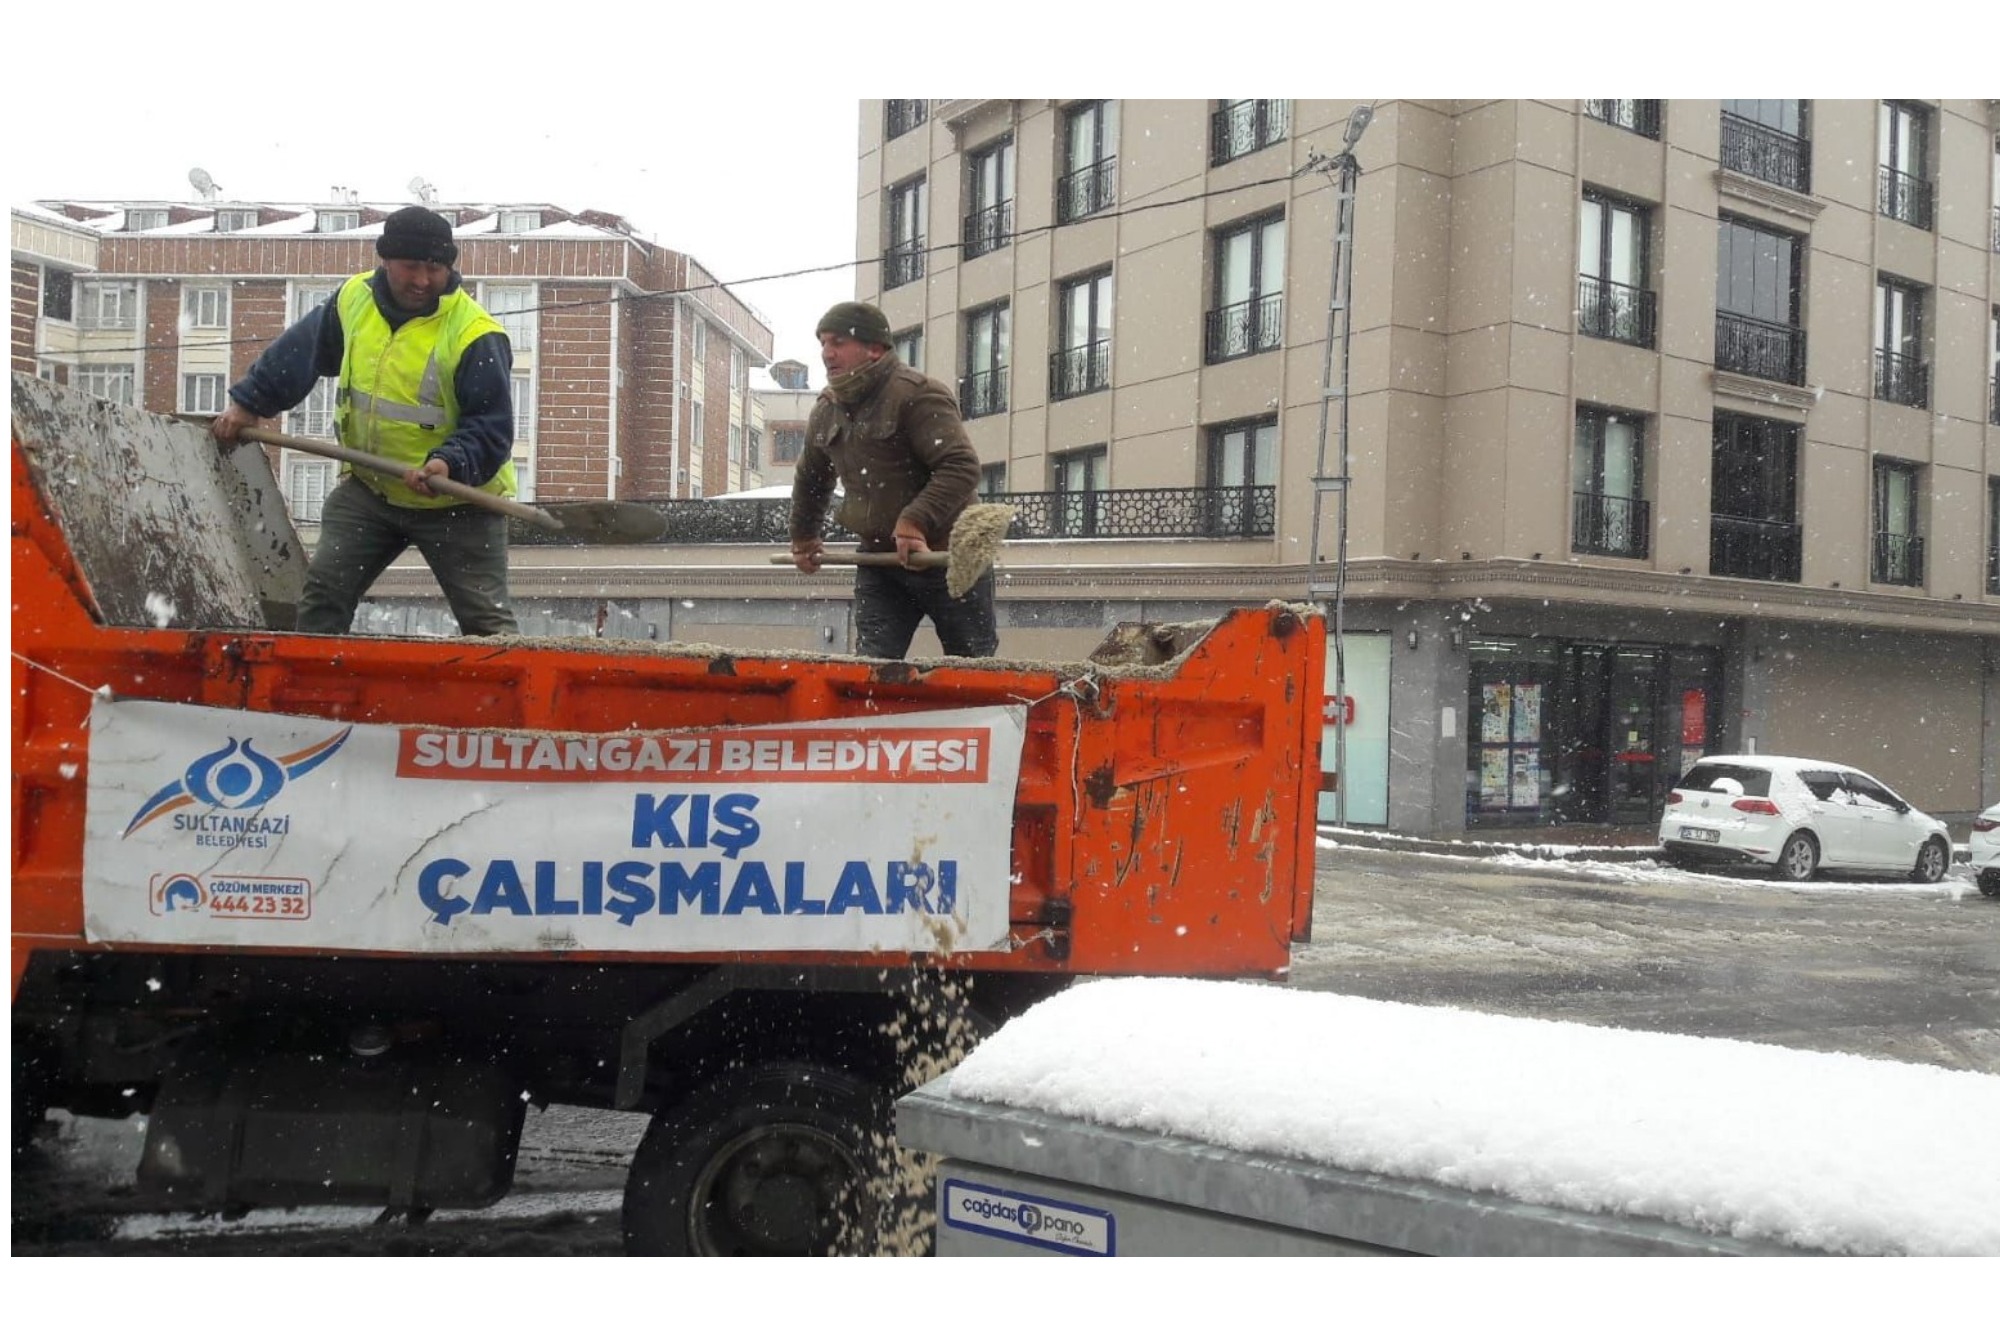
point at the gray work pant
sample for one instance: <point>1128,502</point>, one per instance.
<point>361,533</point>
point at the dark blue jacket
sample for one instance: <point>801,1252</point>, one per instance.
<point>311,349</point>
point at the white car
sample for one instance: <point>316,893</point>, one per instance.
<point>1985,844</point>
<point>1797,816</point>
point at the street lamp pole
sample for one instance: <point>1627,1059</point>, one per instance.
<point>1339,330</point>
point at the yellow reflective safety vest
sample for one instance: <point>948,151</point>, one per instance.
<point>397,395</point>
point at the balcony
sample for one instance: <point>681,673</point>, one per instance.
<point>1612,312</point>
<point>1753,549</point>
<point>989,228</point>
<point>1766,154</point>
<point>983,393</point>
<point>902,263</point>
<point>1640,117</point>
<point>1746,345</point>
<point>1904,198</point>
<point>1898,561</point>
<point>1246,328</point>
<point>1087,191</point>
<point>1079,370</point>
<point>1903,379</point>
<point>1614,527</point>
<point>1242,127</point>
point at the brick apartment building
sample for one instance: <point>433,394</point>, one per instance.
<point>631,366</point>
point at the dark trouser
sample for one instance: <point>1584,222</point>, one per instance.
<point>889,602</point>
<point>361,533</point>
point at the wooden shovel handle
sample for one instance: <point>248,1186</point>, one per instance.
<point>928,558</point>
<point>383,465</point>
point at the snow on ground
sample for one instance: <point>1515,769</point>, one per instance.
<point>1827,1152</point>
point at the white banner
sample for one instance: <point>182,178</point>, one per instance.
<point>230,827</point>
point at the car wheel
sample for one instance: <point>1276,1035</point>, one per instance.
<point>1989,884</point>
<point>1932,860</point>
<point>1798,859</point>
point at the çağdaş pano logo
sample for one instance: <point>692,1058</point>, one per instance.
<point>234,781</point>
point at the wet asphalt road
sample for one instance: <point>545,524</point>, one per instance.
<point>1892,972</point>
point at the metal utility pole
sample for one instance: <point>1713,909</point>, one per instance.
<point>1339,330</point>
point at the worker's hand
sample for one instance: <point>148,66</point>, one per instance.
<point>419,478</point>
<point>805,554</point>
<point>230,422</point>
<point>910,538</point>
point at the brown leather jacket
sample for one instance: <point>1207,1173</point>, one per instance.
<point>901,451</point>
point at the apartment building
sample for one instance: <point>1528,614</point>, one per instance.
<point>1671,425</point>
<point>631,365</point>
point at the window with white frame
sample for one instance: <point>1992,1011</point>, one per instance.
<point>205,307</point>
<point>513,221</point>
<point>145,219</point>
<point>108,382</point>
<point>306,481</point>
<point>46,370</point>
<point>107,305</point>
<point>698,423</point>
<point>313,417</point>
<point>909,348</point>
<point>513,307</point>
<point>753,459</point>
<point>307,298</point>
<point>234,219</point>
<point>736,444</point>
<point>700,351</point>
<point>329,222</point>
<point>524,435</point>
<point>736,367</point>
<point>201,393</point>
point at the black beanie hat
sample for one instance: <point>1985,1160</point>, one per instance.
<point>419,233</point>
<point>863,322</point>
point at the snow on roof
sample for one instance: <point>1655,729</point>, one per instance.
<point>1824,1151</point>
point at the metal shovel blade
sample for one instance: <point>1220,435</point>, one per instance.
<point>609,522</point>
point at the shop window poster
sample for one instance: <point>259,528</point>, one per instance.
<point>1493,777</point>
<point>1495,706</point>
<point>1528,712</point>
<point>1527,772</point>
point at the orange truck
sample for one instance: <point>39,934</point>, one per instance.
<point>331,912</point>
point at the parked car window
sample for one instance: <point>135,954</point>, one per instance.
<point>1822,784</point>
<point>1703,774</point>
<point>1867,790</point>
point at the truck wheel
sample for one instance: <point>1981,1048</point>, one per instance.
<point>774,1160</point>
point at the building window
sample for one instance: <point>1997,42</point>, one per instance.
<point>523,385</point>
<point>1249,311</point>
<point>1241,475</point>
<point>1079,484</point>
<point>983,390</point>
<point>904,260</point>
<point>329,222</point>
<point>788,442</point>
<point>1610,515</point>
<point>313,417</point>
<point>1089,182</point>
<point>1901,375</point>
<point>1899,547</point>
<point>205,307</point>
<point>1767,141</point>
<point>697,458</point>
<point>229,220</point>
<point>736,368</point>
<point>1612,301</point>
<point>307,298</point>
<point>513,307</point>
<point>307,480</point>
<point>699,332</point>
<point>1758,327</point>
<point>1082,362</point>
<point>1996,195</point>
<point>107,382</point>
<point>201,394</point>
<point>1753,529</point>
<point>1903,144</point>
<point>1641,117</point>
<point>909,348</point>
<point>145,219</point>
<point>753,459</point>
<point>735,444</point>
<point>1993,536</point>
<point>1238,128</point>
<point>58,294</point>
<point>1993,381</point>
<point>900,117</point>
<point>989,206</point>
<point>108,305</point>
<point>515,221</point>
<point>993,482</point>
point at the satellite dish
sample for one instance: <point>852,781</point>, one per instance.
<point>423,189</point>
<point>203,182</point>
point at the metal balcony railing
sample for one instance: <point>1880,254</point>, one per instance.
<point>1242,127</point>
<point>1245,329</point>
<point>1614,312</point>
<point>983,393</point>
<point>903,116</point>
<point>1767,154</point>
<point>1904,198</point>
<point>1087,190</point>
<point>1080,369</point>
<point>1898,561</point>
<point>1641,117</point>
<point>989,228</point>
<point>1753,549</point>
<point>1239,512</point>
<point>1903,379</point>
<point>1746,345</point>
<point>902,263</point>
<point>1617,527</point>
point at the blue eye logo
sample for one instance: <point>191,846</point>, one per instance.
<point>234,777</point>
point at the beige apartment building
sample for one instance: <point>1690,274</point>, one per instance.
<point>1671,424</point>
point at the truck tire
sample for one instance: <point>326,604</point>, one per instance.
<point>777,1159</point>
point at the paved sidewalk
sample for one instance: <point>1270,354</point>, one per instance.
<point>1593,843</point>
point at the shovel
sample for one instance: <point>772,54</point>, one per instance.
<point>600,522</point>
<point>975,541</point>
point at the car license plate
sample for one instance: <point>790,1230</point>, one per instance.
<point>1705,836</point>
